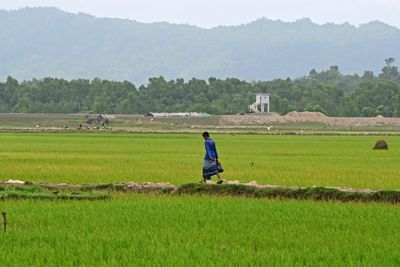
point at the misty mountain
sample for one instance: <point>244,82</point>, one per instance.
<point>42,42</point>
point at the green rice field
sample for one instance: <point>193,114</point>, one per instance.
<point>130,229</point>
<point>346,161</point>
<point>145,230</point>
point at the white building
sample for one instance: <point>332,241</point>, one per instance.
<point>262,99</point>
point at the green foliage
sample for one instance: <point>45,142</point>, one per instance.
<point>390,72</point>
<point>328,92</point>
<point>315,108</point>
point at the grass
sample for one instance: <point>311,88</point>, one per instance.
<point>347,161</point>
<point>198,230</point>
<point>139,230</point>
<point>305,193</point>
<point>40,193</point>
<point>91,192</point>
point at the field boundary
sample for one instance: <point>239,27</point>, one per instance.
<point>298,193</point>
<point>249,190</point>
<point>197,130</point>
<point>36,192</point>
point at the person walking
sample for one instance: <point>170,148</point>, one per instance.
<point>210,163</point>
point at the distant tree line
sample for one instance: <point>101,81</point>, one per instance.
<point>328,91</point>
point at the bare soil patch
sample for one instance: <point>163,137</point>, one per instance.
<point>297,117</point>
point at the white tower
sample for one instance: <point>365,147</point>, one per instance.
<point>262,99</point>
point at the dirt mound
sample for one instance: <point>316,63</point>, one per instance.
<point>381,144</point>
<point>305,115</point>
<point>273,114</point>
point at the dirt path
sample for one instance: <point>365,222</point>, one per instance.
<point>228,188</point>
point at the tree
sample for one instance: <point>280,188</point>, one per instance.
<point>368,75</point>
<point>315,108</point>
<point>389,72</point>
<point>329,92</point>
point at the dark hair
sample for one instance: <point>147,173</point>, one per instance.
<point>206,134</point>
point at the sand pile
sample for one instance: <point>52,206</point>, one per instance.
<point>305,115</point>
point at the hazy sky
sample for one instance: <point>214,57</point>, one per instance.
<point>208,13</point>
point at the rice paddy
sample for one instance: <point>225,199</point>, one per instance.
<point>346,161</point>
<point>131,229</point>
<point>199,231</point>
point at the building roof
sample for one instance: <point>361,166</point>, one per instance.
<point>176,114</point>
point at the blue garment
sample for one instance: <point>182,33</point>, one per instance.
<point>210,168</point>
<point>211,150</point>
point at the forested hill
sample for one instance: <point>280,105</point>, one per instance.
<point>328,91</point>
<point>43,42</point>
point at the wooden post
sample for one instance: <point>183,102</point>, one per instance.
<point>4,215</point>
